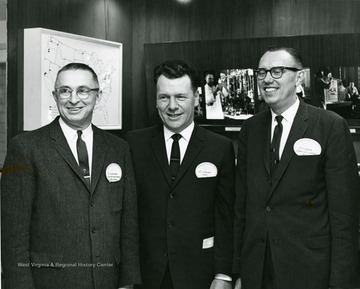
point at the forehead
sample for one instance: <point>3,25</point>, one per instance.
<point>75,78</point>
<point>276,58</point>
<point>173,86</point>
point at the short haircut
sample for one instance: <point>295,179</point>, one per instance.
<point>173,69</point>
<point>295,54</point>
<point>78,66</point>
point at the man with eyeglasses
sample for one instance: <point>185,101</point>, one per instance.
<point>69,209</point>
<point>297,198</point>
<point>186,188</point>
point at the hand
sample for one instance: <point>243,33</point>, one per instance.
<point>220,284</point>
<point>127,287</point>
<point>238,284</point>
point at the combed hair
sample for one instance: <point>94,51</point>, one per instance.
<point>78,66</point>
<point>295,54</point>
<point>173,69</point>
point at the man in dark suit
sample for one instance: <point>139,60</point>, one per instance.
<point>297,201</point>
<point>185,180</point>
<point>69,210</point>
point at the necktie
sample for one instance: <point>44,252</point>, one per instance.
<point>83,157</point>
<point>175,155</point>
<point>275,145</point>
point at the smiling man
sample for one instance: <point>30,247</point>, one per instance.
<point>69,211</point>
<point>185,182</point>
<point>297,199</point>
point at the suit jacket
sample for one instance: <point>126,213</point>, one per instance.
<point>56,231</point>
<point>187,224</point>
<point>310,210</point>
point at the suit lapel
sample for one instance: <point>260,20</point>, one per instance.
<point>63,148</point>
<point>193,149</point>
<point>99,153</point>
<point>297,130</point>
<point>159,148</point>
<point>265,135</point>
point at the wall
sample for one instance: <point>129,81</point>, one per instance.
<point>136,22</point>
<point>168,21</point>
<point>3,57</point>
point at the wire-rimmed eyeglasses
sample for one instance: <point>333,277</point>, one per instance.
<point>275,72</point>
<point>81,92</point>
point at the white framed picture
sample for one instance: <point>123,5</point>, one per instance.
<point>46,52</point>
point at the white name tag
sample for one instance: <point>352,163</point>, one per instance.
<point>208,243</point>
<point>206,170</point>
<point>307,147</point>
<point>113,173</point>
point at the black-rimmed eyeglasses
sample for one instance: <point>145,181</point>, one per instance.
<point>276,72</point>
<point>81,92</point>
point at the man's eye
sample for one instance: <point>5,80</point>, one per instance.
<point>181,98</point>
<point>82,90</point>
<point>65,90</point>
<point>163,97</point>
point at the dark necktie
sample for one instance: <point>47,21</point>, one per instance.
<point>275,145</point>
<point>83,157</point>
<point>175,155</point>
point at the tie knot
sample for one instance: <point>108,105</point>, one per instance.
<point>176,136</point>
<point>79,132</point>
<point>279,118</point>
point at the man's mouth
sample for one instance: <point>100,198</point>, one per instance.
<point>74,109</point>
<point>270,89</point>
<point>174,115</point>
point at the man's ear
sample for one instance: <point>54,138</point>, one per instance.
<point>98,97</point>
<point>54,95</point>
<point>300,77</point>
<point>196,98</point>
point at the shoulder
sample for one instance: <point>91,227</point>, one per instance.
<point>109,138</point>
<point>211,137</point>
<point>142,134</point>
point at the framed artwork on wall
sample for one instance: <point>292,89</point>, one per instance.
<point>46,52</point>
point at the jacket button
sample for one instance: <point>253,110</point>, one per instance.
<point>262,240</point>
<point>92,203</point>
<point>170,225</point>
<point>171,196</point>
<point>268,209</point>
<point>93,230</point>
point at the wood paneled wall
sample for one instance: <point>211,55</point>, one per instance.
<point>136,22</point>
<point>161,21</point>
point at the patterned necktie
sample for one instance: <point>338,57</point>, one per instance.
<point>83,157</point>
<point>275,145</point>
<point>175,155</point>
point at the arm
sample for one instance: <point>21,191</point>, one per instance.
<point>343,189</point>
<point>130,265</point>
<point>224,214</point>
<point>17,194</point>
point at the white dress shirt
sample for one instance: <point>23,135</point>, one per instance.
<point>71,138</point>
<point>183,142</point>
<point>288,119</point>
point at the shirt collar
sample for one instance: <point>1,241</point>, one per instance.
<point>288,114</point>
<point>186,133</point>
<point>71,133</point>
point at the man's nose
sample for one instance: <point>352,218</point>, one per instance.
<point>173,103</point>
<point>74,98</point>
<point>268,77</point>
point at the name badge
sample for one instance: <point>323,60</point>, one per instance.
<point>206,170</point>
<point>113,173</point>
<point>307,147</point>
